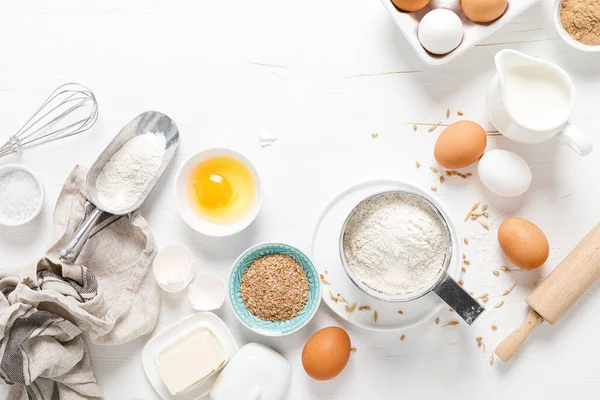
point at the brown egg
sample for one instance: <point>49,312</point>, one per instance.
<point>523,243</point>
<point>326,353</point>
<point>410,5</point>
<point>460,145</point>
<point>484,10</point>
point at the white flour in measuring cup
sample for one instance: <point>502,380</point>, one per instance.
<point>395,244</point>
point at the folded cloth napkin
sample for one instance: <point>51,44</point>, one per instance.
<point>44,309</point>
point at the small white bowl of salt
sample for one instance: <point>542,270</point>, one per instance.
<point>21,195</point>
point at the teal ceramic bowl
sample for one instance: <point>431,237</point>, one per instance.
<point>270,328</point>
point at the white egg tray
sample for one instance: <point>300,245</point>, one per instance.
<point>473,33</point>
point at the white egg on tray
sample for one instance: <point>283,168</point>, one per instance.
<point>440,31</point>
<point>504,173</point>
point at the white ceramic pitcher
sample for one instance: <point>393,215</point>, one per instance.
<point>518,96</point>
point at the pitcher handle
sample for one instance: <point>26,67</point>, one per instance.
<point>576,140</point>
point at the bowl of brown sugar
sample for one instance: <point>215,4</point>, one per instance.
<point>274,289</point>
<point>578,23</point>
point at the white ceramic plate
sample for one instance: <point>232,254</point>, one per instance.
<point>189,324</point>
<point>326,257</point>
<point>473,33</point>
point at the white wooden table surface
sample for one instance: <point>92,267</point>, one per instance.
<point>322,75</point>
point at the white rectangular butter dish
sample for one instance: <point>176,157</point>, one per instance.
<point>160,343</point>
<point>474,33</point>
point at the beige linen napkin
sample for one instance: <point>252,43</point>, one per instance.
<point>110,294</point>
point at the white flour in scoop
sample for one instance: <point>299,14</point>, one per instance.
<point>126,175</point>
<point>395,244</point>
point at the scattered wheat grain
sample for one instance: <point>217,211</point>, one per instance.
<point>507,291</point>
<point>451,323</point>
<point>434,127</point>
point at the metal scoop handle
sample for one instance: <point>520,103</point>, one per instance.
<point>456,297</point>
<point>70,251</point>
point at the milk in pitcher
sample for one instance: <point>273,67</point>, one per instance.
<point>537,97</point>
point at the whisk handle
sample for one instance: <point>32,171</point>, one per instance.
<point>70,251</point>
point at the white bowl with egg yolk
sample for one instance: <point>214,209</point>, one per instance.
<point>187,204</point>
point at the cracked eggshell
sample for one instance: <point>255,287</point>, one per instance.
<point>172,267</point>
<point>206,292</point>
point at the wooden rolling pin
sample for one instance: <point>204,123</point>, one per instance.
<point>549,301</point>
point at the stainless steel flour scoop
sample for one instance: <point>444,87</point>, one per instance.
<point>148,122</point>
<point>442,285</point>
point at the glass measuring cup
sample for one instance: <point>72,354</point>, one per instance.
<point>442,284</point>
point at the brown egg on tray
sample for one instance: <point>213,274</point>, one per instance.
<point>410,5</point>
<point>483,11</point>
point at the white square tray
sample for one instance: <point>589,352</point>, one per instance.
<point>474,33</point>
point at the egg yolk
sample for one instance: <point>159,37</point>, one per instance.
<point>221,190</point>
<point>214,191</point>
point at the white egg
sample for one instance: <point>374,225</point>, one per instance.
<point>440,31</point>
<point>504,173</point>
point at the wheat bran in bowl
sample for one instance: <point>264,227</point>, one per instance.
<point>274,288</point>
<point>292,289</point>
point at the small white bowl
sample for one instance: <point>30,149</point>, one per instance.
<point>565,35</point>
<point>192,218</point>
<point>4,169</point>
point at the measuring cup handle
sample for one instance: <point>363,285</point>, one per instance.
<point>456,297</point>
<point>576,140</point>
<point>70,251</point>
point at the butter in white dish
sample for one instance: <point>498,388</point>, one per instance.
<point>189,360</point>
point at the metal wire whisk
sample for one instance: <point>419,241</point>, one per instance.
<point>70,109</point>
